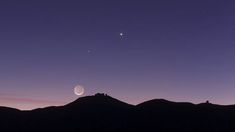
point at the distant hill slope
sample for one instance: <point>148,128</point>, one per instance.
<point>102,113</point>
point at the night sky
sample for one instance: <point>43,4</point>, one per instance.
<point>180,50</point>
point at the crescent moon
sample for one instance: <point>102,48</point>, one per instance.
<point>79,90</point>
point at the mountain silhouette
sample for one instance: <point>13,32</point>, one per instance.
<point>102,113</point>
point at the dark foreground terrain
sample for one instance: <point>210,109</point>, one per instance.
<point>102,113</point>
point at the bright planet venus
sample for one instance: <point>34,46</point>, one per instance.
<point>79,90</point>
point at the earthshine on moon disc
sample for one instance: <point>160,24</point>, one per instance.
<point>79,90</point>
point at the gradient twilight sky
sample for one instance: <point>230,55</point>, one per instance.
<point>181,50</point>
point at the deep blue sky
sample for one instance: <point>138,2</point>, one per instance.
<point>181,50</point>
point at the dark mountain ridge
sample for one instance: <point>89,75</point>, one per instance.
<point>102,113</point>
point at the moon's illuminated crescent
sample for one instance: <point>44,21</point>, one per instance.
<point>79,90</point>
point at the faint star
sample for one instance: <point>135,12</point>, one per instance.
<point>121,34</point>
